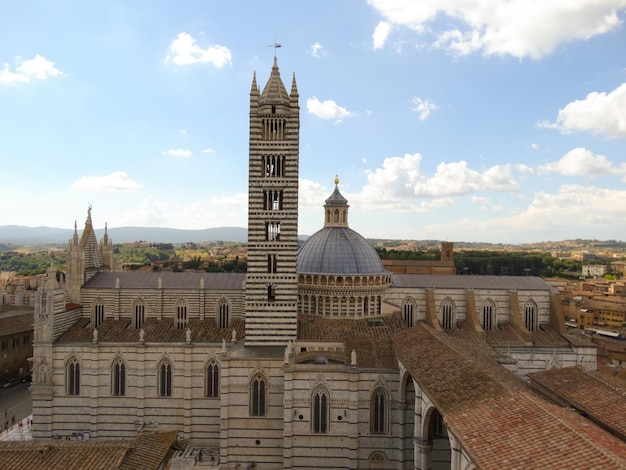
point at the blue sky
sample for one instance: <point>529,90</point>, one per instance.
<point>500,121</point>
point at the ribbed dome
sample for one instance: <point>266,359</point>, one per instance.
<point>338,250</point>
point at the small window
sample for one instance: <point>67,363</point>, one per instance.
<point>223,314</point>
<point>181,315</point>
<point>165,379</point>
<point>258,396</point>
<point>98,313</point>
<point>408,308</point>
<point>212,380</point>
<point>320,410</point>
<point>379,412</point>
<point>118,379</point>
<point>271,292</point>
<point>448,321</point>
<point>140,313</point>
<point>73,377</point>
<point>531,320</point>
<point>489,315</point>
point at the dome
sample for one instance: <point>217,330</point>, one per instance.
<point>338,250</point>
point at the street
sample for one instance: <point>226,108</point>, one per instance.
<point>15,401</point>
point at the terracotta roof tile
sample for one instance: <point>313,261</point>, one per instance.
<point>147,452</point>
<point>169,280</point>
<point>369,337</point>
<point>155,330</point>
<point>591,394</point>
<point>500,422</point>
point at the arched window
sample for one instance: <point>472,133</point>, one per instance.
<point>531,318</point>
<point>98,313</point>
<point>223,310</point>
<point>73,377</point>
<point>448,320</point>
<point>118,378</point>
<point>408,309</point>
<point>489,315</point>
<point>212,389</point>
<point>165,378</point>
<point>139,308</point>
<point>320,411</point>
<point>379,414</point>
<point>181,314</point>
<point>258,396</point>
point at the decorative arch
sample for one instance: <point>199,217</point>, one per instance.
<point>531,316</point>
<point>436,434</point>
<point>377,459</point>
<point>223,313</point>
<point>181,314</point>
<point>488,318</point>
<point>408,311</point>
<point>72,375</point>
<point>448,314</point>
<point>139,313</point>
<point>98,312</point>
<point>118,377</point>
<point>320,409</point>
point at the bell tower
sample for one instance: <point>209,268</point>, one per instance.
<point>271,280</point>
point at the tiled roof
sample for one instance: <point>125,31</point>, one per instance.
<point>499,421</point>
<point>590,394</point>
<point>372,343</point>
<point>169,280</point>
<point>155,331</point>
<point>443,281</point>
<point>16,324</point>
<point>146,452</point>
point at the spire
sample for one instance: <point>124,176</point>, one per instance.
<point>294,87</point>
<point>336,208</point>
<point>274,92</point>
<point>254,90</point>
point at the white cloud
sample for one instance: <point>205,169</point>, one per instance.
<point>520,28</point>
<point>327,109</point>
<point>381,33</point>
<point>182,131</point>
<point>599,113</point>
<point>402,177</point>
<point>534,146</point>
<point>117,181</point>
<point>184,51</point>
<point>422,107</point>
<point>38,68</point>
<point>178,153</point>
<point>208,150</point>
<point>226,211</point>
<point>582,162</point>
<point>311,194</point>
<point>317,50</point>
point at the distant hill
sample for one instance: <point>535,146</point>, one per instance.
<point>20,235</point>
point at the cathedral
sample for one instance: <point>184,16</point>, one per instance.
<point>317,357</point>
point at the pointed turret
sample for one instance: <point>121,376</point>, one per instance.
<point>274,94</point>
<point>336,209</point>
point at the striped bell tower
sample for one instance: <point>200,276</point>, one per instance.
<point>271,280</point>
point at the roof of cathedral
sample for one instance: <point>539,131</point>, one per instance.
<point>274,91</point>
<point>147,451</point>
<point>590,394</point>
<point>443,281</point>
<point>169,280</point>
<point>155,331</point>
<point>499,421</point>
<point>338,250</point>
<point>369,337</point>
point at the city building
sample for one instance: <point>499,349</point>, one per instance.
<point>315,358</point>
<point>16,337</point>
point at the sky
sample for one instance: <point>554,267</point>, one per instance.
<point>499,121</point>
